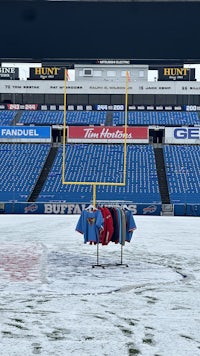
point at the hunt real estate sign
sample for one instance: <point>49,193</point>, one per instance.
<point>176,73</point>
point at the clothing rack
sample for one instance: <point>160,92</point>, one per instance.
<point>109,264</point>
<point>124,207</point>
<point>118,223</point>
<point>104,265</point>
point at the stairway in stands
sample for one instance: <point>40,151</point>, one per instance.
<point>44,174</point>
<point>109,119</point>
<point>17,117</point>
<point>162,179</point>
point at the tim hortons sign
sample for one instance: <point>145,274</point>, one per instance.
<point>107,134</point>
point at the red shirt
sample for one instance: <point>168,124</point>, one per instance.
<point>106,234</point>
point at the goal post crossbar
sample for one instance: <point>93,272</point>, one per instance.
<point>94,183</point>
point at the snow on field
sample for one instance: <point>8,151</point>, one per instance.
<point>53,302</point>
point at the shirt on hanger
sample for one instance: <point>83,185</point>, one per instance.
<point>90,224</point>
<point>115,236</point>
<point>130,225</point>
<point>107,232</point>
<point>123,227</point>
<point>119,219</point>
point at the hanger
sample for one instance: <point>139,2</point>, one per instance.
<point>91,208</point>
<point>125,207</point>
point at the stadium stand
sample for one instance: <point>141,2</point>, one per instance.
<point>41,117</point>
<point>86,117</point>
<point>6,117</point>
<point>104,163</point>
<point>19,170</point>
<point>20,167</point>
<point>53,117</point>
<point>160,118</point>
<point>56,117</point>
<point>159,170</point>
<point>183,172</point>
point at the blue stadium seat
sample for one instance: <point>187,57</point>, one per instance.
<point>160,118</point>
<point>57,117</point>
<point>41,117</point>
<point>6,117</point>
<point>183,172</point>
<point>104,163</point>
<point>20,167</point>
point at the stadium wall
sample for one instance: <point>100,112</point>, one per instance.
<point>76,209</point>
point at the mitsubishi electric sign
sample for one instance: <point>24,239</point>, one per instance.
<point>25,134</point>
<point>182,135</point>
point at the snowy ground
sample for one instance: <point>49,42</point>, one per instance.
<point>52,302</point>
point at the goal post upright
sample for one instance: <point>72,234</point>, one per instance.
<point>125,126</point>
<point>94,184</point>
<point>64,126</point>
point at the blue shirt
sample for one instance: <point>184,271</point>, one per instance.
<point>130,225</point>
<point>89,224</point>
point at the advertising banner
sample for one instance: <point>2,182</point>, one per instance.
<point>117,107</point>
<point>9,73</point>
<point>99,87</point>
<point>25,134</point>
<point>77,208</point>
<point>73,208</point>
<point>107,134</point>
<point>176,73</point>
<point>50,73</point>
<point>22,107</point>
<point>101,107</point>
<point>182,135</point>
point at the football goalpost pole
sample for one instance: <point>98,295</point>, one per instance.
<point>94,184</point>
<point>125,126</point>
<point>64,142</point>
<point>64,126</point>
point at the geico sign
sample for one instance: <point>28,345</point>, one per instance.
<point>190,133</point>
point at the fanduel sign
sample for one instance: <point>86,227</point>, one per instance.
<point>25,134</point>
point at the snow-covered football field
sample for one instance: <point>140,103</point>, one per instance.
<point>52,302</point>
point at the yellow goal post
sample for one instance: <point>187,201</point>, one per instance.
<point>93,183</point>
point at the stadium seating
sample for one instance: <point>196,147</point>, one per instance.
<point>41,117</point>
<point>160,118</point>
<point>6,117</point>
<point>183,172</point>
<point>104,163</point>
<point>86,117</point>
<point>53,117</point>
<point>22,163</point>
<point>56,117</point>
<point>20,167</point>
